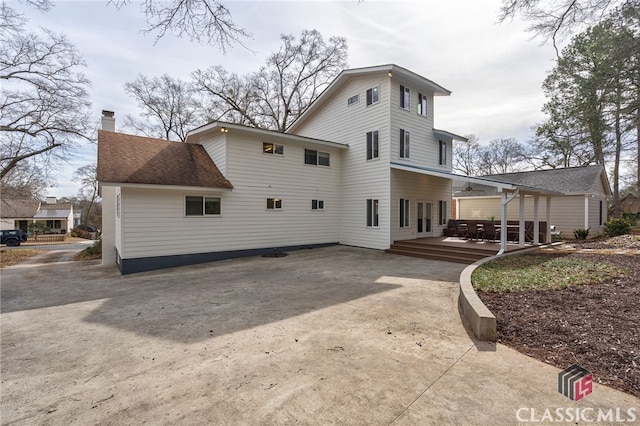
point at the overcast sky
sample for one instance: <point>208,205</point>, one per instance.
<point>495,71</point>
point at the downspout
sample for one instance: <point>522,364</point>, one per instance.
<point>586,211</point>
<point>536,220</point>
<point>521,235</point>
<point>548,239</point>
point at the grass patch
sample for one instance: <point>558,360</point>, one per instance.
<point>542,271</point>
<point>14,256</point>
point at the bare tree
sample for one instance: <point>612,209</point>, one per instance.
<point>88,193</point>
<point>203,21</point>
<point>279,92</point>
<point>465,156</point>
<point>24,182</point>
<point>556,19</point>
<point>169,107</point>
<point>44,106</point>
<point>501,156</point>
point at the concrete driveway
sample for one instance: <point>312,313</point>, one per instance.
<point>337,335</point>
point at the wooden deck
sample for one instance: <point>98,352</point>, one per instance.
<point>450,249</point>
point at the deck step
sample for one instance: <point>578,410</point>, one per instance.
<point>449,253</point>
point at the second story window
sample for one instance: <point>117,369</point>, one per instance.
<point>404,143</point>
<point>353,100</point>
<point>422,104</point>
<point>373,150</point>
<point>272,148</point>
<point>316,158</point>
<point>442,157</point>
<point>405,97</point>
<point>373,95</point>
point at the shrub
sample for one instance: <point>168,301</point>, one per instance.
<point>632,218</point>
<point>617,227</point>
<point>81,234</point>
<point>93,252</point>
<point>581,234</point>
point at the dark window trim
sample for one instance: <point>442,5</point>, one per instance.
<point>373,145</point>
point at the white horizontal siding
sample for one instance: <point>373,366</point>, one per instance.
<point>361,179</point>
<point>417,187</point>
<point>216,148</point>
<point>156,224</point>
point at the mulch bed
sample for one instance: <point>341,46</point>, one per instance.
<point>596,326</point>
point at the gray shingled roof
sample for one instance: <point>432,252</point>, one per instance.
<point>571,180</point>
<point>19,209</point>
<point>133,159</point>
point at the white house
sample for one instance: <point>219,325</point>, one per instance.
<point>363,166</point>
<point>18,214</point>
<point>581,202</point>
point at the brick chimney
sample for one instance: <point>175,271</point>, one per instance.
<point>108,121</point>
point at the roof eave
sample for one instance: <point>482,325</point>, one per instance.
<point>168,187</point>
<point>224,127</point>
<point>450,135</point>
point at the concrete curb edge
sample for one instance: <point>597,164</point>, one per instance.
<point>474,313</point>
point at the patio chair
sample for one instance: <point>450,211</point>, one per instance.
<point>472,231</point>
<point>490,231</point>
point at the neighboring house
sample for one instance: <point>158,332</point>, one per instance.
<point>630,203</point>
<point>18,214</point>
<point>582,203</point>
<point>58,217</point>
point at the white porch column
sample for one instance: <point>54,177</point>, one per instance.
<point>536,220</point>
<point>548,238</point>
<point>521,224</point>
<point>503,223</point>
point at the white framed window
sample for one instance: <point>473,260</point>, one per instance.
<point>317,204</point>
<point>405,137</point>
<point>372,213</point>
<point>353,100</point>
<point>373,147</point>
<point>197,205</point>
<point>118,204</point>
<point>272,148</point>
<point>373,95</point>
<point>316,158</point>
<point>404,213</point>
<point>405,97</point>
<point>422,104</point>
<point>274,203</point>
<point>442,212</point>
<point>442,153</point>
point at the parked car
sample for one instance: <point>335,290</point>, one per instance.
<point>88,228</point>
<point>12,237</point>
